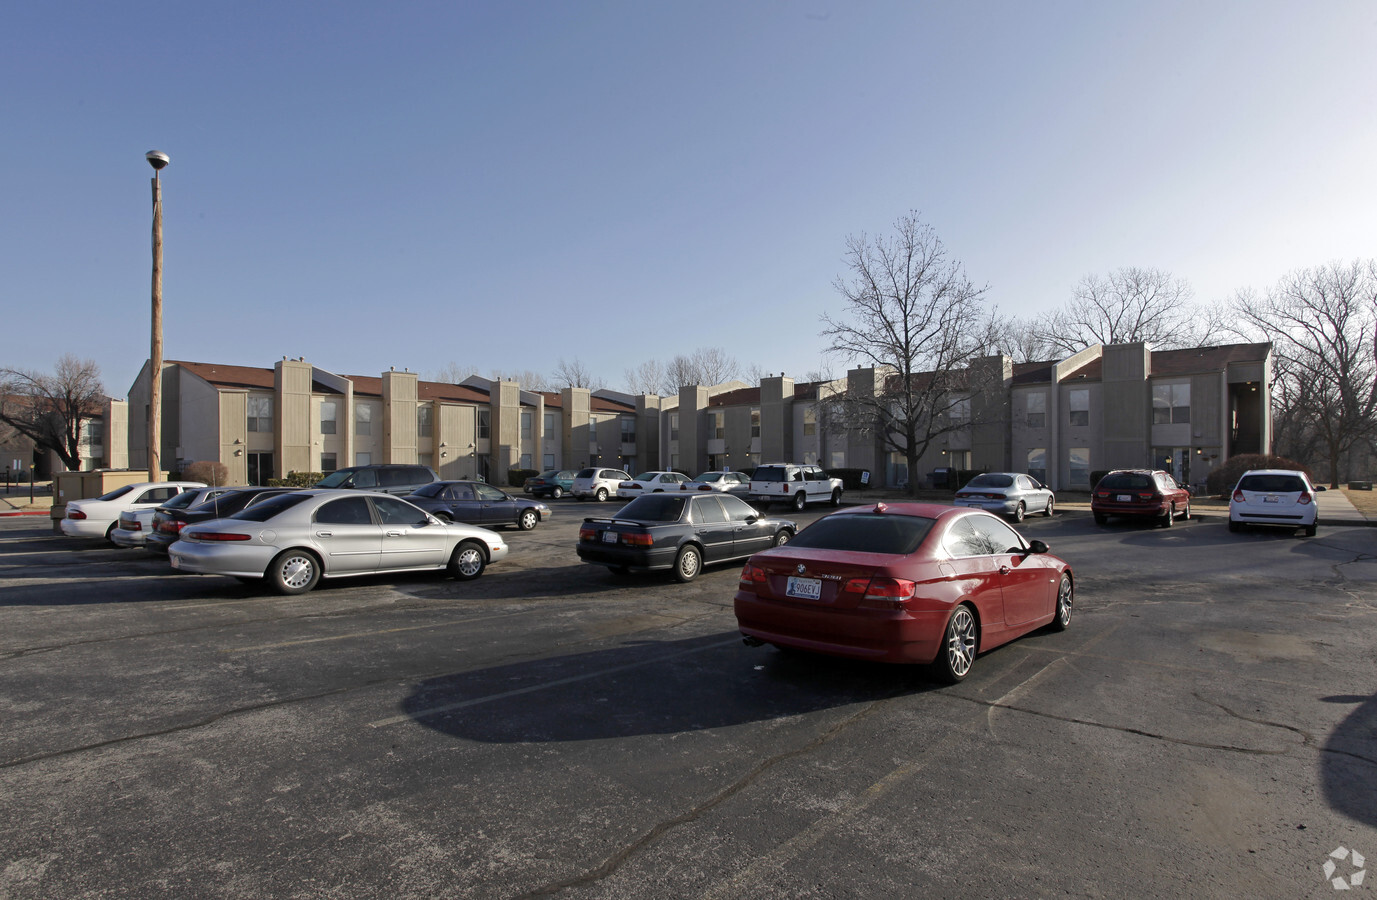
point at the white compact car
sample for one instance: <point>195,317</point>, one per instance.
<point>1281,497</point>
<point>598,483</point>
<point>99,517</point>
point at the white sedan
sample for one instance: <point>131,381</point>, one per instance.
<point>136,523</point>
<point>98,517</point>
<point>723,482</point>
<point>293,540</point>
<point>651,483</point>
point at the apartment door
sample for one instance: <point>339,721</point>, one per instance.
<point>260,468</point>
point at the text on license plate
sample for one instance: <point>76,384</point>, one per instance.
<point>1124,498</point>
<point>609,537</point>
<point>805,588</point>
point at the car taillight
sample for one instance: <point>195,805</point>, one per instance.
<point>587,533</point>
<point>638,540</point>
<point>1148,495</point>
<point>1102,494</point>
<point>889,593</point>
<point>76,514</point>
<point>219,536</point>
<point>135,525</point>
<point>1304,498</point>
<point>704,487</point>
<point>1239,497</point>
<point>752,576</point>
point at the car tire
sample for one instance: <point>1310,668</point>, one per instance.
<point>688,564</point>
<point>1049,509</point>
<point>110,533</point>
<point>1019,512</point>
<point>959,644</point>
<point>782,537</point>
<point>528,519</point>
<point>556,492</point>
<point>601,495</point>
<point>836,497</point>
<point>1066,598</point>
<point>1235,526</point>
<point>1310,530</point>
<point>1186,513</point>
<point>467,561</point>
<point>293,572</point>
<point>1169,519</point>
<point>1101,518</point>
<point>800,501</point>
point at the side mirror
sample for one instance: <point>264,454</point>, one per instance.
<point>1320,487</point>
<point>1037,547</point>
<point>751,520</point>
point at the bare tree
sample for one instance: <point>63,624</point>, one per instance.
<point>1126,306</point>
<point>50,409</point>
<point>1321,322</point>
<point>1022,341</point>
<point>573,373</point>
<point>647,378</point>
<point>914,315</point>
<point>452,374</point>
<point>528,380</point>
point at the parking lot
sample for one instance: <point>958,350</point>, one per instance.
<point>1207,727</point>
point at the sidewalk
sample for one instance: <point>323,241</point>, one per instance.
<point>17,502</point>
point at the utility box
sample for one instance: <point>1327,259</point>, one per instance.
<point>84,485</point>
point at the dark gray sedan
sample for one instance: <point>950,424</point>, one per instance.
<point>478,503</point>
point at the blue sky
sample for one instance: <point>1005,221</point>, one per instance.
<point>500,185</point>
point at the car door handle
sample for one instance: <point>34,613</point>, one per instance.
<point>1004,570</point>
<point>400,533</point>
<point>325,534</point>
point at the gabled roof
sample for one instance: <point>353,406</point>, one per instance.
<point>1207,359</point>
<point>229,376</point>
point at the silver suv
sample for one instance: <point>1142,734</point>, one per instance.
<point>597,483</point>
<point>793,484</point>
<point>391,478</point>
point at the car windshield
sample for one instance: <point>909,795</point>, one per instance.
<point>654,508</point>
<point>991,480</point>
<point>1116,481</point>
<point>587,473</point>
<point>335,479</point>
<point>865,533</point>
<point>769,473</point>
<point>115,494</point>
<point>430,490</point>
<point>1272,484</point>
<point>262,512</point>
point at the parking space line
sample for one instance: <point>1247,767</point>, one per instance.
<point>359,634</point>
<point>544,685</point>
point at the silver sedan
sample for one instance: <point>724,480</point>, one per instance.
<point>293,540</point>
<point>1007,493</point>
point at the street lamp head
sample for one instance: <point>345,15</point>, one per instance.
<point>157,159</point>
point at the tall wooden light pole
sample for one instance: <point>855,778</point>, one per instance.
<point>158,161</point>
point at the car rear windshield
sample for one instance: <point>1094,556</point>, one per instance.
<point>865,533</point>
<point>1272,484</point>
<point>654,508</point>
<point>181,501</point>
<point>430,490</point>
<point>587,473</point>
<point>770,473</point>
<point>1116,481</point>
<point>115,494</point>
<point>991,479</point>
<point>262,512</point>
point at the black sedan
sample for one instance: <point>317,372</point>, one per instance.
<point>168,521</point>
<point>680,532</point>
<point>478,503</point>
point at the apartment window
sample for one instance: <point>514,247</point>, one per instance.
<point>810,421</point>
<point>327,462</point>
<point>95,432</point>
<point>1037,464</point>
<point>425,421</point>
<point>1037,411</point>
<point>548,461</point>
<point>328,411</point>
<point>484,424</point>
<point>363,459</point>
<point>549,424</point>
<point>1079,407</point>
<point>526,423</point>
<point>363,420</point>
<point>1078,460</point>
<point>1171,404</point>
<point>838,459</point>
<point>719,430</point>
<point>961,410</point>
<point>261,414</point>
<point>755,423</point>
<point>673,427</point>
<point>525,460</point>
<point>628,430</point>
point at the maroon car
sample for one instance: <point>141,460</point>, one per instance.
<point>905,583</point>
<point>1140,493</point>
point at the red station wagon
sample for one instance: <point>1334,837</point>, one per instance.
<point>1141,493</point>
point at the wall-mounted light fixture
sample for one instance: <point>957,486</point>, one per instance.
<point>238,452</point>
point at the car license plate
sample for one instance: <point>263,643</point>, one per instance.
<point>1124,498</point>
<point>1271,499</point>
<point>609,537</point>
<point>176,563</point>
<point>804,588</point>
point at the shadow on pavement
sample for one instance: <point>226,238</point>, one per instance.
<point>1349,764</point>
